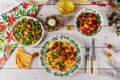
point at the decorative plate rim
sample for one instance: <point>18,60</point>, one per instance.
<point>37,41</point>
<point>59,73</point>
<point>88,10</point>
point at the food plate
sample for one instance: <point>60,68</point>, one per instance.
<point>88,22</point>
<point>57,72</point>
<point>27,31</point>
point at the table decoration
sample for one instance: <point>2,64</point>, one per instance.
<point>7,44</point>
<point>114,20</point>
<point>115,4</point>
<point>98,2</point>
<point>116,68</point>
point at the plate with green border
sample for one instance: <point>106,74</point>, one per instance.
<point>56,72</point>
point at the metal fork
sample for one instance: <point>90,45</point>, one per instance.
<point>87,57</point>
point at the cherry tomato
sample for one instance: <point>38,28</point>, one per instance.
<point>89,22</point>
<point>35,54</point>
<point>25,33</point>
<point>88,31</point>
<point>109,46</point>
<point>84,29</point>
<point>18,39</point>
<point>28,26</point>
<point>18,26</point>
<point>80,19</point>
<point>89,18</point>
<point>39,33</point>
<point>14,32</point>
<point>94,25</point>
<point>98,24</point>
<point>81,27</point>
<point>113,19</point>
<point>91,28</point>
<point>94,18</point>
<point>33,33</point>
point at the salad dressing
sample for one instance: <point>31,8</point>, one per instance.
<point>65,6</point>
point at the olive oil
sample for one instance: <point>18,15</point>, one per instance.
<point>65,6</point>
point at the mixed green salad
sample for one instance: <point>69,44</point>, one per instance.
<point>27,31</point>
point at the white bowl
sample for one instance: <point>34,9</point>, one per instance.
<point>31,45</point>
<point>84,11</point>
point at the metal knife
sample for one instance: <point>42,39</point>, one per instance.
<point>94,64</point>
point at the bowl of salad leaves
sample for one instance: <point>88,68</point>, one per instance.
<point>88,22</point>
<point>28,31</point>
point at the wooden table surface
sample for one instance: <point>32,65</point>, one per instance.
<point>10,71</point>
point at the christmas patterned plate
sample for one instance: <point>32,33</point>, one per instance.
<point>59,73</point>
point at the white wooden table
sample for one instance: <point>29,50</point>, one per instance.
<point>10,71</point>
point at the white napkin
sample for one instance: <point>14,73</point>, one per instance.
<point>7,5</point>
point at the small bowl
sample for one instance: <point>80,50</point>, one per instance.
<point>52,23</point>
<point>25,32</point>
<point>88,22</point>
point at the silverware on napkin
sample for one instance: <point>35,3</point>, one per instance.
<point>94,64</point>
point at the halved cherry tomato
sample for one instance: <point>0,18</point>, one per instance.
<point>94,25</point>
<point>28,26</point>
<point>33,33</point>
<point>98,24</point>
<point>113,19</point>
<point>88,31</point>
<point>91,28</point>
<point>80,19</point>
<point>89,22</point>
<point>81,27</point>
<point>18,26</point>
<point>89,18</point>
<point>25,33</point>
<point>94,18</point>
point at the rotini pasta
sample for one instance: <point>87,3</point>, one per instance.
<point>61,55</point>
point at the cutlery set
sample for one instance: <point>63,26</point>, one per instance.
<point>91,65</point>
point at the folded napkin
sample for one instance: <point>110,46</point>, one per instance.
<point>7,44</point>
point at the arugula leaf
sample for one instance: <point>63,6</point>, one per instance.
<point>110,23</point>
<point>98,18</point>
<point>113,14</point>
